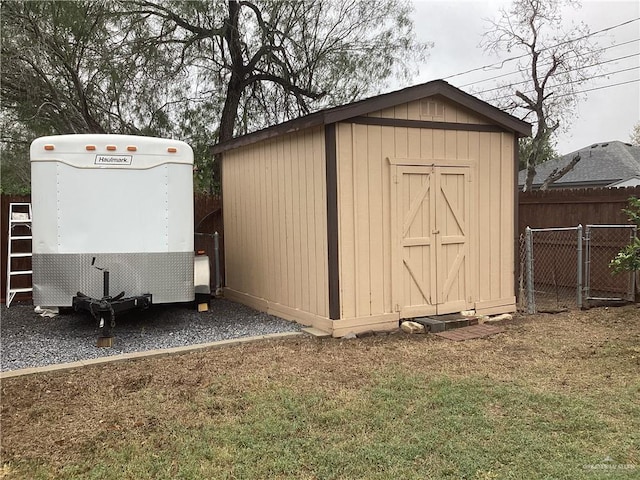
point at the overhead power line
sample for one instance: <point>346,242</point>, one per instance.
<point>549,63</point>
<point>602,87</point>
<point>578,92</point>
<point>501,63</point>
<point>523,82</point>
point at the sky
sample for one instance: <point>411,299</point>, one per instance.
<point>456,27</point>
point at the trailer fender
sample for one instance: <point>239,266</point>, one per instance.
<point>201,281</point>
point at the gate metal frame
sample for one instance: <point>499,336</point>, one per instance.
<point>587,266</point>
<point>531,301</point>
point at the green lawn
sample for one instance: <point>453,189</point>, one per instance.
<point>505,407</point>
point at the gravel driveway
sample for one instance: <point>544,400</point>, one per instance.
<point>28,340</point>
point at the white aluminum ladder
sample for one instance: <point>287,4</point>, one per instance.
<point>19,233</point>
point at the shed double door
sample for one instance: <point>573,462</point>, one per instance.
<point>430,233</point>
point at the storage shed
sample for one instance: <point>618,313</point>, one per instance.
<point>397,206</point>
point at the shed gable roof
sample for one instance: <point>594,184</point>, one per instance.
<point>380,102</point>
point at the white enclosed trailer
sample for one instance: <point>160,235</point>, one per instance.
<point>116,203</point>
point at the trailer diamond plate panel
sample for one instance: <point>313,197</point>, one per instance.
<point>58,277</point>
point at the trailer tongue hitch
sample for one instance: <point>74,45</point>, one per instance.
<point>105,309</point>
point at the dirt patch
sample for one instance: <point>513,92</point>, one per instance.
<point>60,416</point>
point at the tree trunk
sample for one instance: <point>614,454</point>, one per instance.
<point>234,88</point>
<point>227,123</point>
<point>230,109</point>
<point>531,173</point>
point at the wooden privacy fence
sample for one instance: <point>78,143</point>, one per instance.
<point>571,207</point>
<point>555,253</point>
<point>207,221</point>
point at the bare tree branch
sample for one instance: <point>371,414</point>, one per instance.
<point>558,173</point>
<point>554,53</point>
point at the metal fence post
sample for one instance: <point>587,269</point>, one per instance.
<point>587,263</point>
<point>579,292</point>
<point>531,308</point>
<point>216,250</point>
<point>632,280</point>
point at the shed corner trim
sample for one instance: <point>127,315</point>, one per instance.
<point>333,271</point>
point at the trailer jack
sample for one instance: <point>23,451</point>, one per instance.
<point>104,310</point>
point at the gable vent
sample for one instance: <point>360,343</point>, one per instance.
<point>430,108</point>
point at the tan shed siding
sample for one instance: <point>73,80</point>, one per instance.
<point>476,218</point>
<point>346,220</point>
<point>413,111</point>
<point>275,221</point>
<point>508,216</point>
<point>387,146</point>
<point>494,250</point>
<point>364,219</point>
<point>376,232</point>
<point>495,208</point>
<point>364,193</point>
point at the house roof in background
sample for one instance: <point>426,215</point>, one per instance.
<point>627,182</point>
<point>380,102</point>
<point>600,164</point>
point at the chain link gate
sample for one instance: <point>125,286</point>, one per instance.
<point>553,267</point>
<point>602,243</point>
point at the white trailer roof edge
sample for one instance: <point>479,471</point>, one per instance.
<point>110,151</point>
<point>143,167</point>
